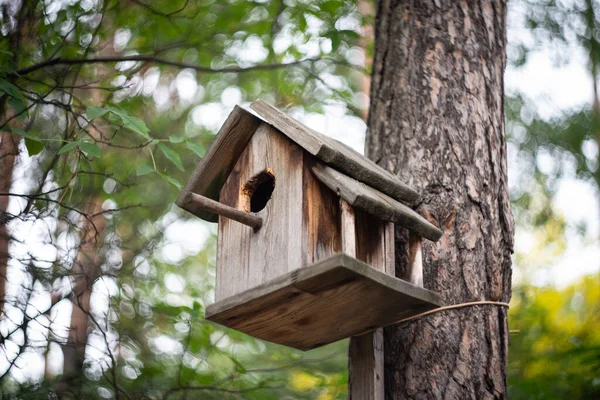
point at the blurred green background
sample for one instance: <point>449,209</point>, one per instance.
<point>115,137</point>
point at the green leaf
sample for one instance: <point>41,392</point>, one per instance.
<point>144,170</point>
<point>19,131</point>
<point>172,181</point>
<point>239,367</point>
<point>68,147</point>
<point>176,139</point>
<point>95,112</point>
<point>34,146</point>
<point>11,90</point>
<point>195,147</point>
<point>171,155</point>
<point>135,124</point>
<point>335,37</point>
<point>349,34</point>
<point>90,148</point>
<point>130,122</point>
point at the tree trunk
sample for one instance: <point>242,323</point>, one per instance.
<point>86,269</point>
<point>436,120</point>
<point>9,149</point>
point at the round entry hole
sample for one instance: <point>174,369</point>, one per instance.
<point>259,190</point>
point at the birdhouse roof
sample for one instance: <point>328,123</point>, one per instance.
<point>220,158</point>
<point>362,196</point>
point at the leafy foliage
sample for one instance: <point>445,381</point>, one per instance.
<point>116,102</point>
<point>557,353</point>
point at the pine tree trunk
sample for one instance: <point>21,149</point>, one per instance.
<point>436,120</point>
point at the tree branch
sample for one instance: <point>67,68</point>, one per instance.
<point>158,60</point>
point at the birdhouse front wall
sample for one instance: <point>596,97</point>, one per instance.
<point>301,218</point>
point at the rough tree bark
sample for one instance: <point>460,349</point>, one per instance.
<point>436,120</point>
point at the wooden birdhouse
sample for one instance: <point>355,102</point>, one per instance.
<point>305,252</point>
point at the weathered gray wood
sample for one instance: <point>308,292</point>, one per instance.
<point>321,236</point>
<point>389,232</point>
<point>348,227</point>
<point>365,369</point>
<point>375,246</point>
<point>214,168</point>
<point>322,303</point>
<point>247,258</point>
<point>336,154</point>
<point>415,260</point>
<point>380,205</point>
<point>196,204</point>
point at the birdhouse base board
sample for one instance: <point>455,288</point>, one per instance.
<point>322,303</point>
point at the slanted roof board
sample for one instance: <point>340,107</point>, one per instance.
<point>220,158</point>
<point>336,154</point>
<point>384,207</point>
<point>223,153</point>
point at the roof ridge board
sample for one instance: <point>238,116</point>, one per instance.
<point>336,153</point>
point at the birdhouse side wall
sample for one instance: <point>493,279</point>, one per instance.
<point>321,217</point>
<point>374,240</point>
<point>246,258</point>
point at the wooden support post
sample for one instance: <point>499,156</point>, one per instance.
<point>196,203</point>
<point>366,357</point>
<point>415,259</point>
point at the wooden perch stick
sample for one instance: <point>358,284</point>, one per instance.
<point>196,203</point>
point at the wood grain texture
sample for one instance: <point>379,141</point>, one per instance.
<point>378,204</point>
<point>348,228</point>
<point>196,204</point>
<point>415,260</point>
<point>322,303</point>
<point>321,235</point>
<point>366,367</point>
<point>336,154</point>
<point>247,258</point>
<point>222,154</point>
<point>375,246</point>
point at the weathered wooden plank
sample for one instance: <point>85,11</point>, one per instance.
<point>389,232</point>
<point>247,258</point>
<point>375,246</point>
<point>370,239</point>
<point>321,236</point>
<point>365,369</point>
<point>322,303</point>
<point>415,260</point>
<point>222,154</point>
<point>336,154</point>
<point>348,228</point>
<point>382,206</point>
<point>197,204</point>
